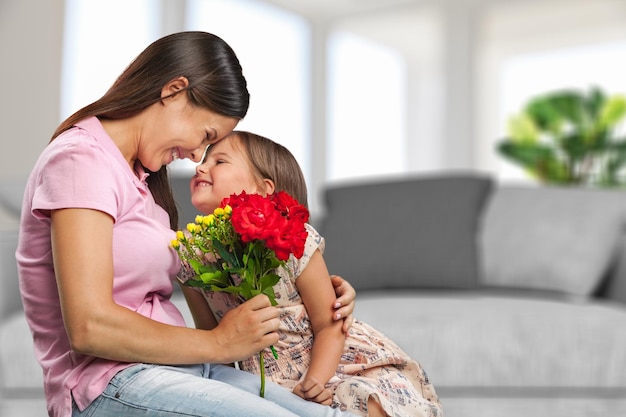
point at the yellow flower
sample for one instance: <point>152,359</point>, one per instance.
<point>191,227</point>
<point>180,235</point>
<point>218,212</point>
<point>199,218</point>
<point>228,209</point>
<point>175,244</point>
<point>208,220</point>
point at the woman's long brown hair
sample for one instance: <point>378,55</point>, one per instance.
<point>216,82</point>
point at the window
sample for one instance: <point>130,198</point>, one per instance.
<point>528,49</point>
<point>271,44</point>
<point>273,48</point>
<point>99,42</point>
<point>525,76</point>
<point>366,114</point>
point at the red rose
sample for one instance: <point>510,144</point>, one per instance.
<point>290,207</point>
<point>291,239</point>
<point>299,213</point>
<point>255,217</point>
<point>284,201</point>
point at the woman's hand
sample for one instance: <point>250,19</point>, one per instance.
<point>248,328</point>
<point>311,390</point>
<point>345,301</point>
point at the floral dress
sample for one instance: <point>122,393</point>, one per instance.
<point>371,364</point>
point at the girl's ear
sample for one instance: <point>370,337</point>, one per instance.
<point>268,186</point>
<point>174,86</point>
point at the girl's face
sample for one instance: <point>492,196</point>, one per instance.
<point>180,130</point>
<point>225,170</point>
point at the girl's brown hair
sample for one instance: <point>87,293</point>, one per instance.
<point>216,82</point>
<point>273,161</point>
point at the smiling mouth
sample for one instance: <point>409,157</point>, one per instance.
<point>203,183</point>
<point>175,155</point>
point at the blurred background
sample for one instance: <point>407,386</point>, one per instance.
<point>355,88</point>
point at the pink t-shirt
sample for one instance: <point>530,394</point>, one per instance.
<point>83,168</point>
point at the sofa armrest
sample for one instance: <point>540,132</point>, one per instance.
<point>10,300</point>
<point>614,287</point>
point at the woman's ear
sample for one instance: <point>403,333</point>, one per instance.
<point>176,85</point>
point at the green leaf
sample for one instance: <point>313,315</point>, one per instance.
<point>575,146</point>
<point>271,295</point>
<point>538,159</point>
<point>544,114</point>
<point>521,128</point>
<point>195,265</point>
<point>274,262</point>
<point>612,112</point>
<point>231,289</point>
<point>245,290</point>
<point>268,281</point>
<point>224,253</point>
<point>595,101</point>
<point>214,277</point>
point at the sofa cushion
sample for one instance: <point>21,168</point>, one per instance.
<point>409,233</point>
<point>551,238</point>
<point>505,339</point>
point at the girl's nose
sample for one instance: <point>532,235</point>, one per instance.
<point>201,169</point>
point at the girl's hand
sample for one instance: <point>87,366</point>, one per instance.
<point>345,301</point>
<point>311,390</point>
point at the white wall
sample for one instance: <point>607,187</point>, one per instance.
<point>453,50</point>
<point>31,35</point>
<point>30,72</point>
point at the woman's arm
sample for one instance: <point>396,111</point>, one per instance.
<point>319,298</point>
<point>97,326</point>
<point>345,301</point>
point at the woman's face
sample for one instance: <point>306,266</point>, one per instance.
<point>224,171</point>
<point>177,130</point>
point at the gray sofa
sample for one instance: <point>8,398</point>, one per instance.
<point>513,298</point>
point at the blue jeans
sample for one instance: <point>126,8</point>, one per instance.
<point>198,390</point>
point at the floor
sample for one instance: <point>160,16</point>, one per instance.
<point>539,407</point>
<point>453,407</point>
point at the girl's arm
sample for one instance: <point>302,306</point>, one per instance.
<point>318,295</point>
<point>203,317</point>
<point>97,326</point>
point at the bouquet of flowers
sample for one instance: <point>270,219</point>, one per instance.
<point>248,236</point>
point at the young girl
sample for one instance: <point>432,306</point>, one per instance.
<point>366,372</point>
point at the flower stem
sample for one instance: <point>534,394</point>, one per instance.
<point>274,352</point>
<point>262,366</point>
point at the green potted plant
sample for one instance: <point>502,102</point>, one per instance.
<point>570,137</point>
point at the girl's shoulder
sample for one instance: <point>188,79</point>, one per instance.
<point>314,241</point>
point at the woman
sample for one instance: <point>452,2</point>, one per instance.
<point>94,259</point>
